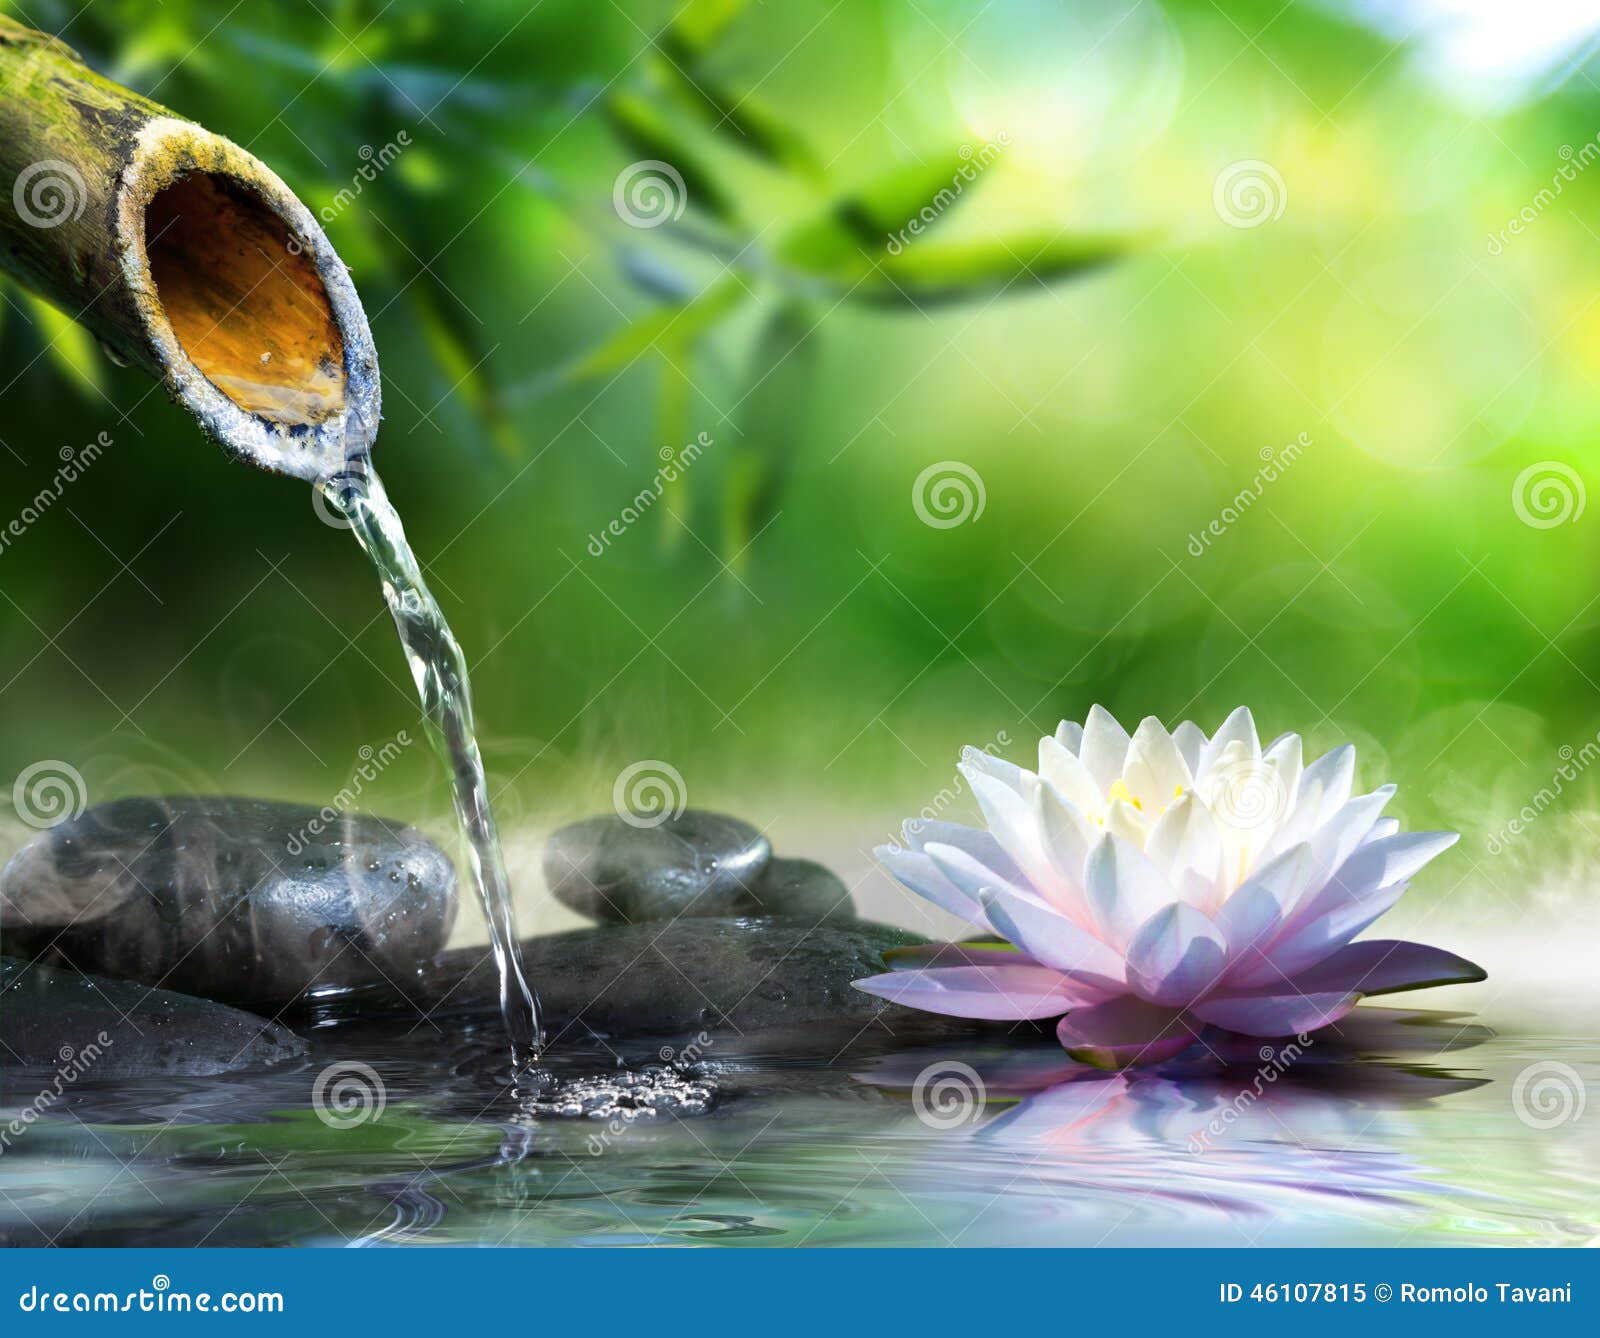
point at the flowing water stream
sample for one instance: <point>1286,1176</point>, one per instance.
<point>440,671</point>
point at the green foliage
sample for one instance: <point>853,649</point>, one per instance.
<point>1076,324</point>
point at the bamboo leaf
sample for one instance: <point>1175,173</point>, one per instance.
<point>699,23</point>
<point>940,272</point>
<point>927,191</point>
<point>679,324</point>
<point>741,119</point>
<point>468,367</point>
<point>772,427</point>
<point>67,344</point>
<point>841,242</point>
<point>673,430</point>
<point>644,131</point>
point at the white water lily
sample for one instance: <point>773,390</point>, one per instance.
<point>1156,885</point>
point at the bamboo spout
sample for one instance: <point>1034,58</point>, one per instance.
<point>186,256</point>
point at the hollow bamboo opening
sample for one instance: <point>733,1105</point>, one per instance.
<point>246,304</point>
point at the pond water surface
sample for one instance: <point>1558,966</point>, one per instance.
<point>1415,1128</point>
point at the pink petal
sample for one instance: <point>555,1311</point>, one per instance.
<point>998,993</point>
<point>1123,888</point>
<point>976,842</point>
<point>1285,1014</point>
<point>917,870</point>
<point>1253,911</point>
<point>1387,966</point>
<point>1051,938</point>
<point>1366,885</point>
<point>1304,947</point>
<point>1124,1031</point>
<point>1176,957</point>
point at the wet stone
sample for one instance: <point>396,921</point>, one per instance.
<point>243,900</point>
<point>731,975</point>
<point>86,1027</point>
<point>625,870</point>
<point>804,889</point>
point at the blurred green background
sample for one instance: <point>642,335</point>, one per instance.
<point>1109,326</point>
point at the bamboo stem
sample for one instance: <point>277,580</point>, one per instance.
<point>183,255</point>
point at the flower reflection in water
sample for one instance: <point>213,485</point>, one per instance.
<point>1297,1129</point>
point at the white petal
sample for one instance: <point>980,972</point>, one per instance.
<point>1240,727</point>
<point>918,871</point>
<point>1154,771</point>
<point>1312,940</point>
<point>1067,837</point>
<point>1381,828</point>
<point>1124,888</point>
<point>1124,820</point>
<point>1055,941</point>
<point>968,876</point>
<point>1176,956</point>
<point>1069,734</point>
<point>1285,754</point>
<point>1385,862</point>
<point>1063,770</point>
<point>979,844</point>
<point>1191,741</point>
<point>1337,838</point>
<point>1368,883</point>
<point>1008,774</point>
<point>1011,820</point>
<point>1251,915</point>
<point>1185,840</point>
<point>1324,790</point>
<point>1104,748</point>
